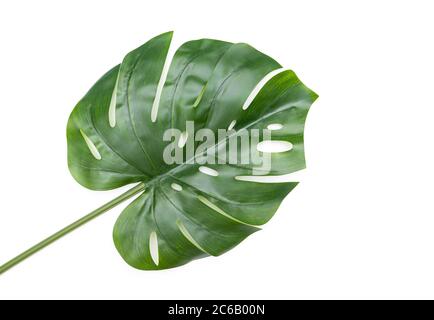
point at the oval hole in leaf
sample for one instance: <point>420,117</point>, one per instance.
<point>208,171</point>
<point>212,206</point>
<point>274,126</point>
<point>153,247</point>
<point>163,77</point>
<point>232,125</point>
<point>259,86</point>
<point>274,146</point>
<point>112,107</point>
<point>188,236</point>
<point>176,187</point>
<point>91,146</point>
<point>199,97</point>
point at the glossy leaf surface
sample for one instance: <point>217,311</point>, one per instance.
<point>115,137</point>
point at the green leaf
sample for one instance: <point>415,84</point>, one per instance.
<point>115,137</point>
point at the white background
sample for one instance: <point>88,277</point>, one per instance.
<point>359,225</point>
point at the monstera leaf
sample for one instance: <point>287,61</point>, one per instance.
<point>115,137</point>
<point>185,211</point>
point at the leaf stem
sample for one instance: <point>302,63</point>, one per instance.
<point>109,205</point>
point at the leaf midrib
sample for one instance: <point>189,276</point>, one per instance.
<point>180,167</point>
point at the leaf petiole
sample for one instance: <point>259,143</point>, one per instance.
<point>44,243</point>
